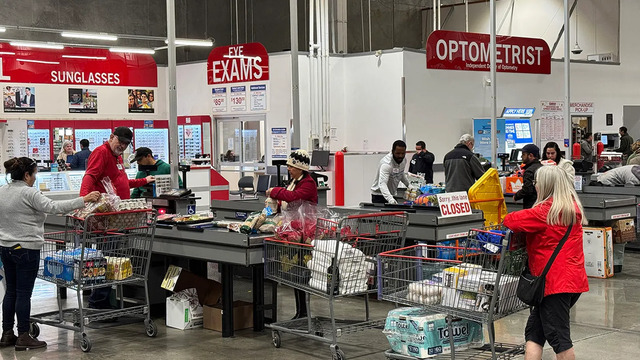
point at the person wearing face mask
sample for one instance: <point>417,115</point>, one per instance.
<point>461,167</point>
<point>106,161</point>
<point>23,210</point>
<point>391,171</point>
<point>422,162</point>
<point>552,152</point>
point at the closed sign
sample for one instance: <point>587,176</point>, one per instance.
<point>454,204</point>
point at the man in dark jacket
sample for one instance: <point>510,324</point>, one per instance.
<point>625,143</point>
<point>461,167</point>
<point>79,161</point>
<point>531,161</point>
<point>422,162</point>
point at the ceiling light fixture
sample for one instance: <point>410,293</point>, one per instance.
<point>39,61</point>
<point>37,45</point>
<point>132,50</point>
<point>7,53</point>
<point>93,36</point>
<point>85,57</point>
<point>192,42</point>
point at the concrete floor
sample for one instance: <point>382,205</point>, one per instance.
<point>605,325</point>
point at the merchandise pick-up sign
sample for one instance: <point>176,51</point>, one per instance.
<point>238,64</point>
<point>454,204</point>
<point>452,50</point>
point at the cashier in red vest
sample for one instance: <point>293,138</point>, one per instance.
<point>106,161</point>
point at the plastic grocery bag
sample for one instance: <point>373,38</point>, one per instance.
<point>299,221</point>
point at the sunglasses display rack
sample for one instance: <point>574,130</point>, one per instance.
<point>96,137</point>
<point>39,144</point>
<point>190,140</point>
<point>14,140</point>
<point>155,139</point>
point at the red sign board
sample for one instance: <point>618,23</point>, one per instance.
<point>238,64</point>
<point>452,50</point>
<point>76,66</point>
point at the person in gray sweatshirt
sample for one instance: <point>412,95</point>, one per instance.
<point>23,210</point>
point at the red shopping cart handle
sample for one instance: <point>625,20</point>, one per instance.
<point>286,242</point>
<point>361,216</point>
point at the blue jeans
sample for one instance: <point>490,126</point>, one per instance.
<point>20,269</point>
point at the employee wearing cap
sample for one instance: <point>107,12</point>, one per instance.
<point>144,156</point>
<point>531,161</point>
<point>106,161</point>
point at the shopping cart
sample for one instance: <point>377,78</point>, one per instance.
<point>479,284</point>
<point>99,251</point>
<point>340,262</point>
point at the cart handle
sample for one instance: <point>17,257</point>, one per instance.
<point>287,242</point>
<point>488,232</point>
<point>113,213</point>
<point>422,258</point>
<point>363,216</point>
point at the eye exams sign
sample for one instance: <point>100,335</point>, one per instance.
<point>452,50</point>
<point>238,64</point>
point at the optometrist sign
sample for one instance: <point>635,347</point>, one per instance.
<point>240,63</point>
<point>453,50</point>
<point>76,66</point>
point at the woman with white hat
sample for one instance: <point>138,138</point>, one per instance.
<point>304,188</point>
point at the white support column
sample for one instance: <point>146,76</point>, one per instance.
<point>174,147</point>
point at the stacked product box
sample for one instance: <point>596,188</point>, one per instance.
<point>66,266</point>
<point>598,251</point>
<point>415,332</point>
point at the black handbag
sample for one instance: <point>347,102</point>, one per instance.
<point>531,288</point>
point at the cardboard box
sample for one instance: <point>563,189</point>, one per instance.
<point>598,252</point>
<point>514,184</point>
<point>624,231</point>
<point>242,316</point>
<point>177,279</point>
<point>181,315</point>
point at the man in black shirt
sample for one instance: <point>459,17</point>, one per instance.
<point>422,162</point>
<point>531,161</point>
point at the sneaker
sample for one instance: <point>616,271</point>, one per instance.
<point>8,339</point>
<point>26,342</point>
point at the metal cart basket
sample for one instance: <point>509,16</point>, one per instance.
<point>99,251</point>
<point>339,262</point>
<point>475,280</point>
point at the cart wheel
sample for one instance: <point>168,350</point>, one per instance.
<point>275,338</point>
<point>85,343</point>
<point>339,355</point>
<point>151,328</point>
<point>34,330</point>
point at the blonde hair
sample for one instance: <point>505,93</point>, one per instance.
<point>62,154</point>
<point>553,184</point>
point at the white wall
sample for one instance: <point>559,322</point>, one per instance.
<point>597,22</point>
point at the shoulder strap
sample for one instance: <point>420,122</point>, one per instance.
<point>556,251</point>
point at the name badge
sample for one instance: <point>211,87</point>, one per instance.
<point>120,167</point>
<point>397,170</point>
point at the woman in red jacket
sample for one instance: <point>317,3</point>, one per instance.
<point>545,224</point>
<point>302,187</point>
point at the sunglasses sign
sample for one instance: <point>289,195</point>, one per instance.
<point>238,64</point>
<point>76,66</point>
